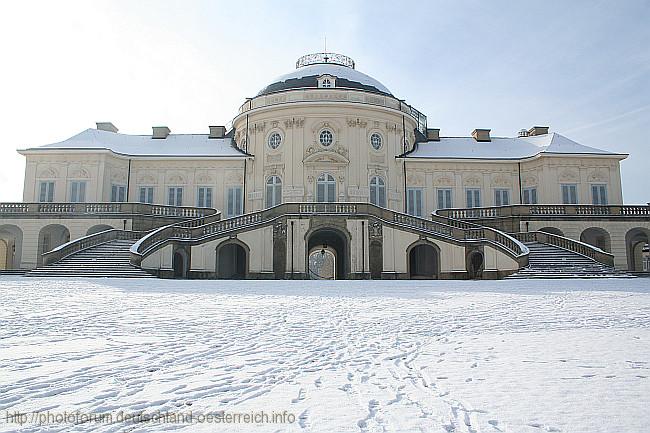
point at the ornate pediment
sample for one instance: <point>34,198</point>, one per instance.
<point>147,179</point>
<point>597,175</point>
<point>472,181</point>
<point>204,178</point>
<point>501,180</point>
<point>326,157</point>
<point>176,179</point>
<point>529,180</point>
<point>444,181</point>
<point>48,173</point>
<point>569,175</point>
<point>79,173</point>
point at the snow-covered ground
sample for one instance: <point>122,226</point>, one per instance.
<point>507,356</point>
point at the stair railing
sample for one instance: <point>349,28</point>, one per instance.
<point>572,245</point>
<point>454,230</point>
<point>80,244</point>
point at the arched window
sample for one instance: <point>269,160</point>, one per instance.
<point>377,191</point>
<point>325,188</point>
<point>273,191</point>
<point>327,82</point>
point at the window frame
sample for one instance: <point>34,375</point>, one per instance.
<point>204,196</point>
<point>116,188</point>
<point>273,191</point>
<point>174,198</point>
<point>381,141</point>
<point>599,198</point>
<point>77,191</point>
<point>328,181</point>
<point>476,197</point>
<point>270,137</point>
<point>499,195</point>
<point>450,197</point>
<point>569,187</point>
<point>234,201</point>
<point>415,201</point>
<point>46,191</point>
<point>378,197</point>
<point>531,192</point>
<point>146,190</point>
<point>331,137</point>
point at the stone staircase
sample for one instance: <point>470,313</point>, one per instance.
<point>548,261</point>
<point>108,260</point>
<point>13,272</point>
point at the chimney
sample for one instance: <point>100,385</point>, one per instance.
<point>481,134</point>
<point>433,134</point>
<point>106,126</point>
<point>160,132</point>
<point>217,132</point>
<point>538,130</point>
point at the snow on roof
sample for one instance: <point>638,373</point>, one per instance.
<point>502,148</point>
<point>178,145</point>
<point>338,71</point>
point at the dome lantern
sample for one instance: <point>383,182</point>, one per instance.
<point>325,58</point>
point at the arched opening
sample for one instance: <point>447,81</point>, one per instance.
<point>12,237</point>
<point>50,237</point>
<point>333,242</point>
<point>423,261</point>
<point>635,241</point>
<point>552,230</point>
<point>180,263</point>
<point>4,253</point>
<point>322,264</point>
<point>232,261</point>
<point>98,229</point>
<point>597,237</point>
<point>475,264</point>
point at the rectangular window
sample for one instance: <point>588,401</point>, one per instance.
<point>473,197</point>
<point>599,194</point>
<point>444,198</point>
<point>77,191</point>
<point>501,197</point>
<point>204,198</point>
<point>414,201</point>
<point>175,196</point>
<point>235,203</point>
<point>570,193</point>
<point>118,193</point>
<point>530,195</point>
<point>146,194</point>
<point>46,192</point>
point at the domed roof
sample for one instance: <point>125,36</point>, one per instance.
<point>312,66</point>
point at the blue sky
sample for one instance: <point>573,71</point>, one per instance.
<point>580,67</point>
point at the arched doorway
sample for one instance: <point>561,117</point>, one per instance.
<point>180,263</point>
<point>552,230</point>
<point>98,229</point>
<point>4,253</point>
<point>322,264</point>
<point>423,261</point>
<point>597,237</point>
<point>635,240</point>
<point>332,244</point>
<point>12,236</point>
<point>232,261</point>
<point>50,237</point>
<point>475,264</point>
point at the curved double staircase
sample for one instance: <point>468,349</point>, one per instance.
<point>119,253</point>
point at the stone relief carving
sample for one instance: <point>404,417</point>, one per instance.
<point>501,180</point>
<point>375,230</point>
<point>473,181</point>
<point>569,175</point>
<point>357,123</point>
<point>415,179</point>
<point>296,122</point>
<point>82,173</point>
<point>597,175</point>
<point>48,173</point>
<point>529,180</point>
<point>280,229</point>
<point>444,181</point>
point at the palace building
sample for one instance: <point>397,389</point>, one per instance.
<point>323,174</point>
